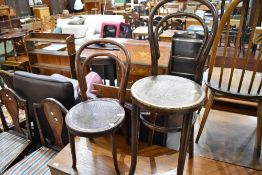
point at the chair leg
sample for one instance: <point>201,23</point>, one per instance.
<point>114,152</point>
<point>259,128</point>
<point>204,119</point>
<point>191,144</point>
<point>73,149</point>
<point>151,132</point>
<point>185,137</point>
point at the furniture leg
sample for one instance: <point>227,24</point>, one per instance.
<point>151,132</point>
<point>73,149</point>
<point>5,49</point>
<point>185,136</point>
<point>114,152</point>
<point>259,128</point>
<point>134,139</point>
<point>191,143</point>
<point>204,119</point>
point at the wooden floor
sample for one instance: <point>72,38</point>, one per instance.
<point>94,157</point>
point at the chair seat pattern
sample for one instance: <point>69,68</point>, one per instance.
<point>10,147</point>
<point>35,163</point>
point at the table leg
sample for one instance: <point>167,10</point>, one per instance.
<point>134,139</point>
<point>73,149</point>
<point>185,136</point>
<point>5,49</point>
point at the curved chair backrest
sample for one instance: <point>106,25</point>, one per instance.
<point>207,41</point>
<point>237,73</point>
<point>82,64</point>
<point>55,116</point>
<point>7,78</point>
<point>11,101</point>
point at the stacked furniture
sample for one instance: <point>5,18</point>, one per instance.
<point>51,53</point>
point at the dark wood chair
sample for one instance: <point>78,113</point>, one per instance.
<point>36,162</point>
<point>101,116</point>
<point>166,94</point>
<point>235,76</point>
<point>15,141</point>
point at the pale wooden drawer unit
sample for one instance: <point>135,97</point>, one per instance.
<point>41,12</point>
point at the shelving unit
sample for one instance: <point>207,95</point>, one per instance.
<point>46,58</point>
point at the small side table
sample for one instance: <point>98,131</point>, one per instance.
<point>15,61</point>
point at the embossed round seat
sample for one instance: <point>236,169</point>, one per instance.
<point>88,120</point>
<point>165,93</point>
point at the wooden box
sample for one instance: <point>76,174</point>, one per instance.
<point>41,12</point>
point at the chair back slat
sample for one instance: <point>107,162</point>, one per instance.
<point>233,73</point>
<point>220,29</point>
<point>259,87</point>
<point>249,51</point>
<point>55,115</point>
<point>224,53</point>
<point>124,66</point>
<point>153,35</point>
<point>239,34</point>
<point>255,69</point>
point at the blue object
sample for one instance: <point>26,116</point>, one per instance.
<point>57,30</point>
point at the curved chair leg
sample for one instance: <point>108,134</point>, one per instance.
<point>259,128</point>
<point>73,149</point>
<point>204,119</point>
<point>114,152</point>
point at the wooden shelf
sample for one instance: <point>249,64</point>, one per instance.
<point>50,66</point>
<point>58,56</point>
<point>60,41</point>
<point>48,52</point>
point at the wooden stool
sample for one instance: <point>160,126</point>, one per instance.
<point>97,117</point>
<point>166,94</point>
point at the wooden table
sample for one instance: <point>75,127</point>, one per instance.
<point>140,58</point>
<point>140,31</point>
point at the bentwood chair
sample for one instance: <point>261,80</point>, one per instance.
<point>233,76</point>
<point>14,141</point>
<point>166,94</point>
<point>36,162</point>
<point>101,116</point>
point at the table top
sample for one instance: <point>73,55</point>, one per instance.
<point>168,93</point>
<point>94,116</point>
<point>139,51</point>
<point>12,34</point>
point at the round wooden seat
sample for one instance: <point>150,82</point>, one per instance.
<point>88,120</point>
<point>166,93</point>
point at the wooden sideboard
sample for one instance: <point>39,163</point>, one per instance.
<point>140,58</point>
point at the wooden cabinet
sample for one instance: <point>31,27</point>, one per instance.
<point>51,53</point>
<point>41,12</point>
<point>20,6</point>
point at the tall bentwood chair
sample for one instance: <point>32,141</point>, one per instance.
<point>101,116</point>
<point>233,76</point>
<point>166,94</point>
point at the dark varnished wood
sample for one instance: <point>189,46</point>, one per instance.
<point>170,94</point>
<point>55,113</point>
<point>98,117</point>
<point>231,80</point>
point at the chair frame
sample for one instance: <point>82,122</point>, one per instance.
<point>237,86</point>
